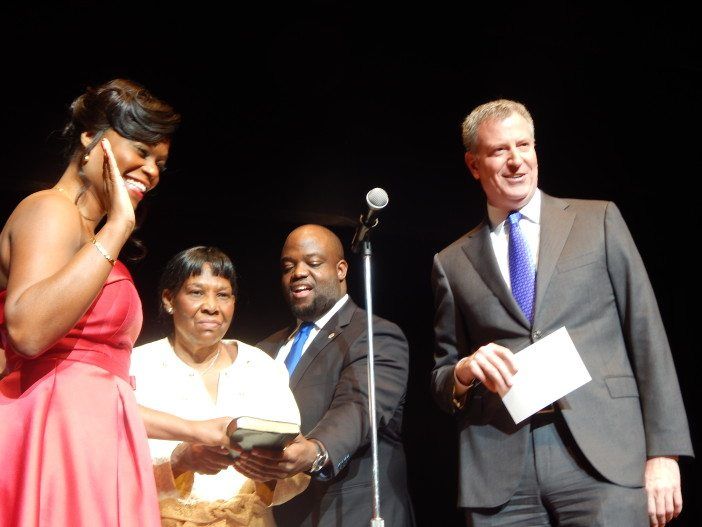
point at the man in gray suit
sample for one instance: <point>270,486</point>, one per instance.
<point>330,382</point>
<point>605,454</point>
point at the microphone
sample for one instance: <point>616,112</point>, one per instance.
<point>377,199</point>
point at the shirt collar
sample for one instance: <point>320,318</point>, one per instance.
<point>321,322</point>
<point>531,211</point>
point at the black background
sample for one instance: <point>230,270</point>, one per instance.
<point>292,113</point>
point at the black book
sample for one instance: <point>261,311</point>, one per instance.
<point>251,432</point>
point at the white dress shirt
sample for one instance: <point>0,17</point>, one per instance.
<point>254,384</point>
<point>318,324</point>
<point>530,225</point>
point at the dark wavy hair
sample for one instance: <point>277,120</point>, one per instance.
<point>128,109</point>
<point>191,262</point>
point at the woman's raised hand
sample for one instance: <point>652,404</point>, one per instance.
<point>120,207</point>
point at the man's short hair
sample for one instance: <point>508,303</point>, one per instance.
<point>499,109</point>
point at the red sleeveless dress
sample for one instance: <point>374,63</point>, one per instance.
<point>72,443</point>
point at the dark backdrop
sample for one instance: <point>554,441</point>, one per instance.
<point>291,114</point>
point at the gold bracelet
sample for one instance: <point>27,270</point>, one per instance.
<point>102,250</point>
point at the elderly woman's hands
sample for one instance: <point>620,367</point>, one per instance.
<point>206,451</point>
<point>189,457</point>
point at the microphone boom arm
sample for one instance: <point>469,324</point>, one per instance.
<point>366,225</point>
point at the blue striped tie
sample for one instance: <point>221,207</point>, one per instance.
<point>522,276</point>
<point>298,343</point>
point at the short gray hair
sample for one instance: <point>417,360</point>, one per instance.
<point>499,109</point>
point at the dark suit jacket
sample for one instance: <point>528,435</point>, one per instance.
<point>330,385</point>
<point>590,279</point>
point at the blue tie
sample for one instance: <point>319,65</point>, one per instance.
<point>522,276</point>
<point>298,343</point>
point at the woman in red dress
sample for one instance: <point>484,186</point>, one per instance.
<point>72,436</point>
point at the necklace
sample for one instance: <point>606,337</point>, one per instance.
<point>201,373</point>
<point>212,363</point>
<point>87,228</point>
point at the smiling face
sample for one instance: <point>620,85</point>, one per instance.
<point>139,163</point>
<point>504,161</point>
<point>313,271</point>
<point>203,309</point>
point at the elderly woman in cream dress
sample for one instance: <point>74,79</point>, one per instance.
<point>195,374</point>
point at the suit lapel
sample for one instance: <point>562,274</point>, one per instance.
<point>272,344</point>
<point>478,249</point>
<point>556,224</point>
<point>326,335</point>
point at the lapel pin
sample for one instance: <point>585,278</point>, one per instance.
<point>331,335</point>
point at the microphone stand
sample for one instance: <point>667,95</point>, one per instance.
<point>376,520</point>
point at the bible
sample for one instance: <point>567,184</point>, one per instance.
<point>248,432</point>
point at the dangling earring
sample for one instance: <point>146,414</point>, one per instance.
<point>169,310</point>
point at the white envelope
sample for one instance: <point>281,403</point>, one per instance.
<point>547,370</point>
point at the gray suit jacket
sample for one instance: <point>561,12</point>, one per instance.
<point>330,384</point>
<point>590,279</point>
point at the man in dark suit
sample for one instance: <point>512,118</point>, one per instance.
<point>326,353</point>
<point>606,452</point>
